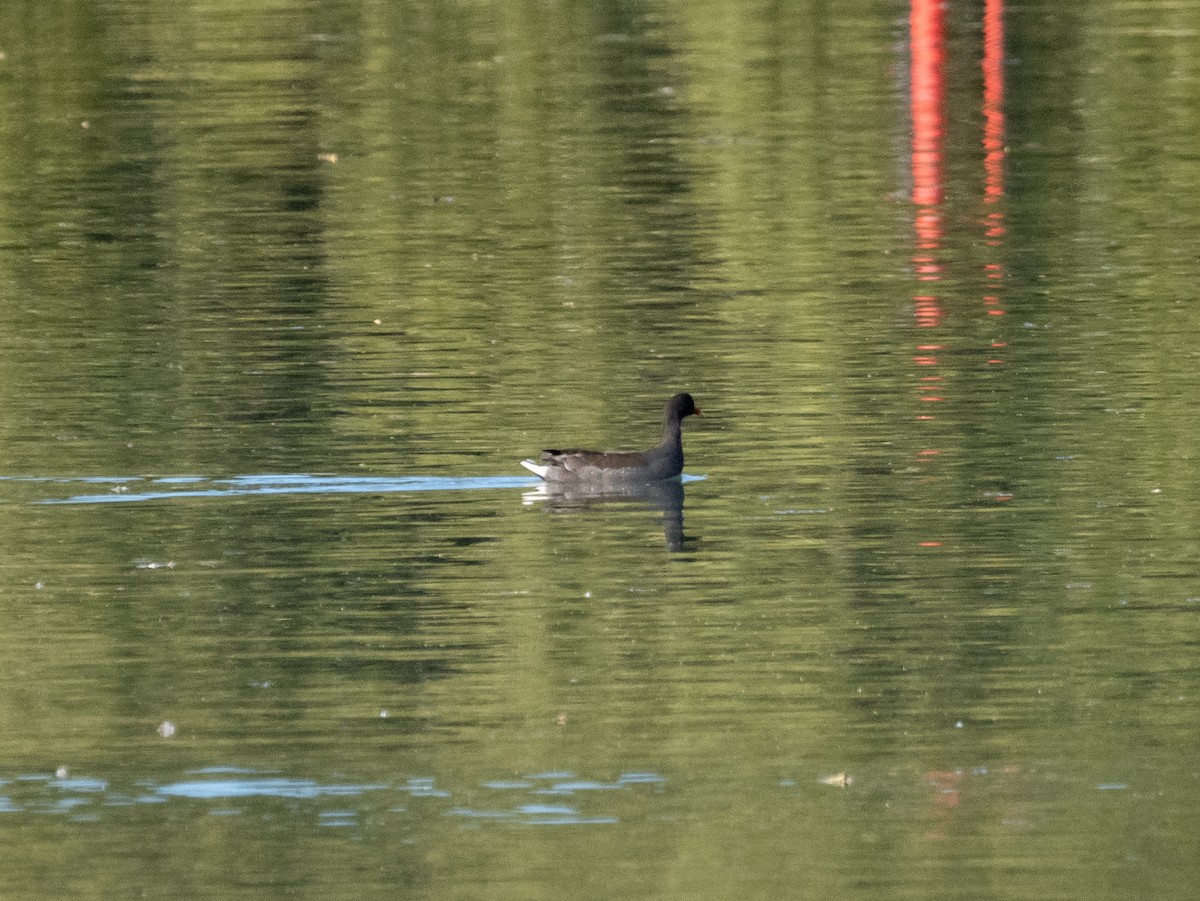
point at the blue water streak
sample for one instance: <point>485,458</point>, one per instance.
<point>133,490</point>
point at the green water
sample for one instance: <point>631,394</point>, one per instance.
<point>931,627</point>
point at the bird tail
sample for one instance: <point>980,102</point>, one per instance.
<point>536,468</point>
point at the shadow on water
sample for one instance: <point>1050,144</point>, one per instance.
<point>665,497</point>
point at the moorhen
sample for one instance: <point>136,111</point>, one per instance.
<point>612,468</point>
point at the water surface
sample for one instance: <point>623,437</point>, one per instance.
<point>286,291</point>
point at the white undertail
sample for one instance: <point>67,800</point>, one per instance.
<point>536,468</point>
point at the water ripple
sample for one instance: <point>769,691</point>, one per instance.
<point>232,791</point>
<point>135,489</point>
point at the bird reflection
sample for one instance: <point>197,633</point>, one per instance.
<point>665,496</point>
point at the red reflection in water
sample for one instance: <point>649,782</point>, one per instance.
<point>993,145</point>
<point>993,106</point>
<point>928,90</point>
<point>928,87</point>
<point>949,789</point>
<point>927,28</point>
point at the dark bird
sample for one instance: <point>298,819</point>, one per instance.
<point>603,469</point>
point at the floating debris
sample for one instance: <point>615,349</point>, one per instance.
<point>166,729</point>
<point>838,780</point>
